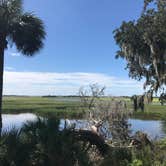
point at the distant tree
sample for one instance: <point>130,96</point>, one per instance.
<point>25,30</point>
<point>162,98</point>
<point>143,45</point>
<point>138,102</point>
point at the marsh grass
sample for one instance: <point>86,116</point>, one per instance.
<point>70,107</point>
<point>60,107</point>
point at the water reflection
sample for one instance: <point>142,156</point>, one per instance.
<point>10,121</point>
<point>164,126</point>
<point>155,129</point>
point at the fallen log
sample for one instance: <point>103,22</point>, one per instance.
<point>93,139</point>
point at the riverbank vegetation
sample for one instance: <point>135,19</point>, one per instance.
<point>42,143</point>
<point>58,106</point>
<point>70,106</point>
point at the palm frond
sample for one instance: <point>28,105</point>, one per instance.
<point>28,34</point>
<point>11,7</point>
<point>10,11</point>
<point>15,6</point>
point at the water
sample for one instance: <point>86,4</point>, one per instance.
<point>154,128</point>
<point>10,121</point>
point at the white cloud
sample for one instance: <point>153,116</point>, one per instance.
<point>38,83</point>
<point>15,54</point>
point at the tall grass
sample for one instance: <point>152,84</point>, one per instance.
<point>70,107</point>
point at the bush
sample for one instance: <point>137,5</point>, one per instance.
<point>136,163</point>
<point>117,157</point>
<point>41,143</point>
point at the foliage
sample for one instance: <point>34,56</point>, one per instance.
<point>117,157</point>
<point>144,156</point>
<point>41,143</point>
<point>13,22</point>
<point>162,98</point>
<point>151,155</point>
<point>136,163</point>
<point>143,45</point>
<point>25,30</point>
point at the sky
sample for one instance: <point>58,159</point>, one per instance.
<point>79,49</point>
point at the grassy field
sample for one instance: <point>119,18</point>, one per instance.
<point>58,106</point>
<point>152,111</point>
<point>69,107</point>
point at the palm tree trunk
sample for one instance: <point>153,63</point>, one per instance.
<point>1,82</point>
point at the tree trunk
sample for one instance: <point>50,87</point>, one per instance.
<point>155,62</point>
<point>2,48</point>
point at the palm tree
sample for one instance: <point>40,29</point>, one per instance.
<point>25,30</point>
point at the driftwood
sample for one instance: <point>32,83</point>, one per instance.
<point>139,140</point>
<point>93,139</point>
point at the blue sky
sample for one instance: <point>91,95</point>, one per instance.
<point>79,42</point>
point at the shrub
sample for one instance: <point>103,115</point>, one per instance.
<point>41,143</point>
